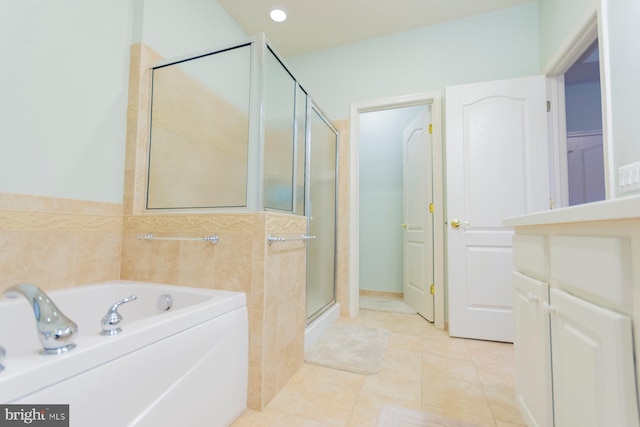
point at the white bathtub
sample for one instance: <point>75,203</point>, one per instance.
<point>186,366</point>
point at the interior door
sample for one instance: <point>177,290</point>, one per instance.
<point>418,221</point>
<point>497,167</point>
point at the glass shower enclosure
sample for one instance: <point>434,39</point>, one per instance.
<point>233,130</point>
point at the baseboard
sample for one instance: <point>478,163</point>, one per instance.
<point>381,294</point>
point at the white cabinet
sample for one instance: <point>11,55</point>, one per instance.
<point>532,351</point>
<point>574,360</point>
<point>592,359</point>
<point>576,298</point>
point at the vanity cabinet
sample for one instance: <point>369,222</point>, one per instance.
<point>576,294</point>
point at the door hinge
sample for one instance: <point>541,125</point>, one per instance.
<point>552,204</point>
<point>432,289</point>
<point>430,128</point>
<point>431,208</point>
<point>548,106</point>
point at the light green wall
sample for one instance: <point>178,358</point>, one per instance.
<point>491,46</point>
<point>175,28</point>
<point>64,85</point>
<point>558,18</point>
<point>623,44</point>
<point>64,97</point>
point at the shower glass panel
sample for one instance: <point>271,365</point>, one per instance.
<point>322,216</point>
<point>200,131</point>
<point>279,134</point>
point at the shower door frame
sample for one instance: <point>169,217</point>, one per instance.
<point>312,108</point>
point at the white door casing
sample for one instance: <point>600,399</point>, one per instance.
<point>497,166</point>
<point>418,220</point>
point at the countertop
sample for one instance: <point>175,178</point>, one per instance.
<point>606,210</point>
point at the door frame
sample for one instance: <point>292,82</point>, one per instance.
<point>580,37</point>
<point>435,100</point>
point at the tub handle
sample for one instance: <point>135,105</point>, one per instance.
<point>111,320</point>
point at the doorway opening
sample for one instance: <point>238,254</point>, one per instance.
<point>577,131</point>
<point>388,180</point>
<point>376,236</point>
<point>583,111</point>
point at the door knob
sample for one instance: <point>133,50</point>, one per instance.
<point>456,223</point>
<point>403,225</point>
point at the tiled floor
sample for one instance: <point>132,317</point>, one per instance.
<point>424,369</point>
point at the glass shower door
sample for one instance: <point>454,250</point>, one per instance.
<point>321,211</point>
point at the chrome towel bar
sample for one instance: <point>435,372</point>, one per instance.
<point>271,238</point>
<point>213,239</point>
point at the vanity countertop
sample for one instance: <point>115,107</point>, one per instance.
<point>606,210</point>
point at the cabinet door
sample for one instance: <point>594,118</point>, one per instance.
<point>532,351</point>
<point>593,367</point>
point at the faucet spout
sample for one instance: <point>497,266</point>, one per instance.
<point>55,330</point>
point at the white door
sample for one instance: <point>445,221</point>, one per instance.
<point>497,167</point>
<point>593,364</point>
<point>418,221</point>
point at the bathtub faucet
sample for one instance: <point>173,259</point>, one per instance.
<point>55,330</point>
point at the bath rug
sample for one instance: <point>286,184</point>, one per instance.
<point>385,304</point>
<point>397,416</point>
<point>350,348</point>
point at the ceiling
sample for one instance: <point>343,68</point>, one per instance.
<point>322,24</point>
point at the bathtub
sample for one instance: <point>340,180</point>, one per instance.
<point>184,366</point>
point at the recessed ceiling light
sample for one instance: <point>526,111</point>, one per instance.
<point>278,14</point>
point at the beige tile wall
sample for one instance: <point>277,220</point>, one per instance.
<point>272,276</point>
<point>56,243</point>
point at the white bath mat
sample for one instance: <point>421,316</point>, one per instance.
<point>351,348</point>
<point>397,416</point>
<point>385,304</point>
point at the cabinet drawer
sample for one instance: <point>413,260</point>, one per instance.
<point>530,255</point>
<point>598,266</point>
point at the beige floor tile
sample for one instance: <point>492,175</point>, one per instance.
<point>460,416</point>
<point>272,418</point>
<point>502,401</point>
<point>458,396</point>
<point>441,345</point>
<point>338,377</point>
<point>399,378</point>
<point>406,342</point>
<point>369,405</point>
<point>495,353</point>
<point>506,424</point>
<point>447,367</point>
<point>317,400</point>
<point>496,375</point>
<point>424,369</point>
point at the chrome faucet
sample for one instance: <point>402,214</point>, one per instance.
<point>111,321</point>
<point>55,330</point>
